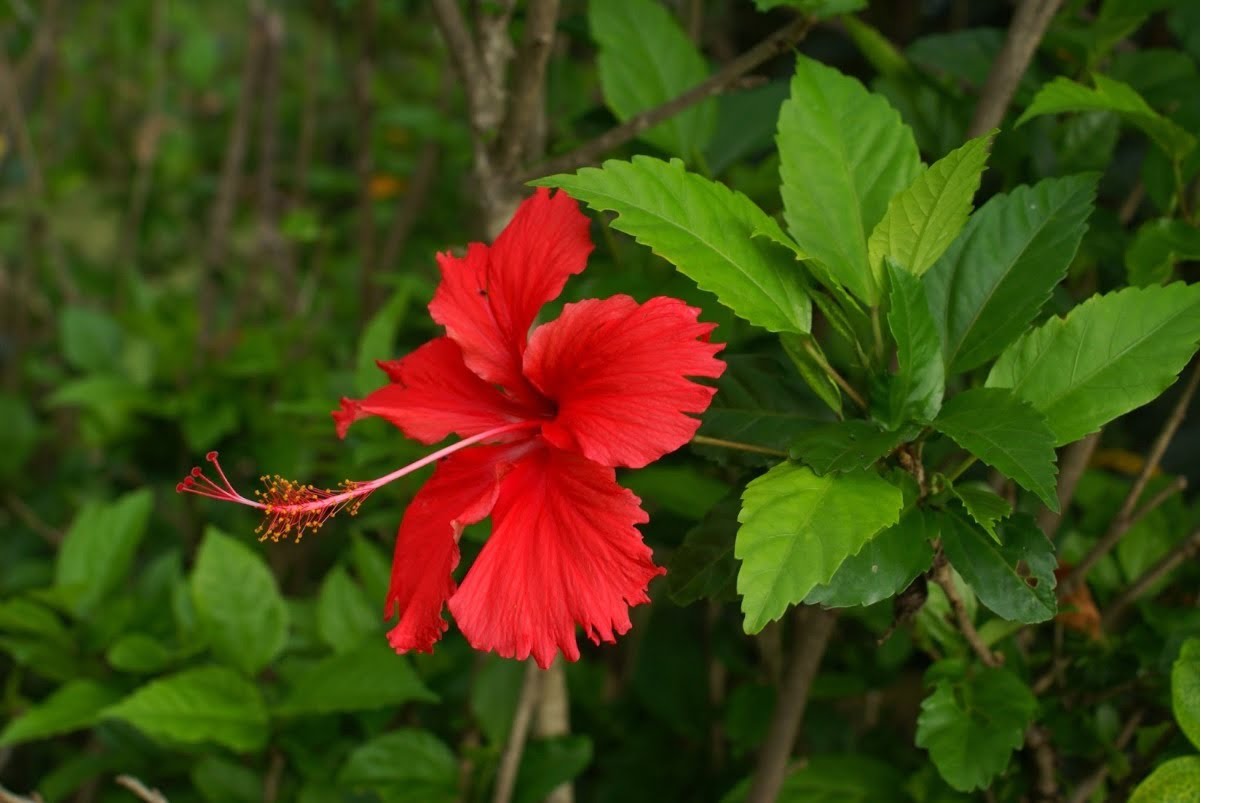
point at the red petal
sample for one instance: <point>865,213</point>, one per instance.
<point>432,394</point>
<point>564,551</point>
<point>617,373</point>
<point>462,490</point>
<point>488,300</point>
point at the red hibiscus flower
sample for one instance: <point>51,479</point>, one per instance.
<point>550,414</point>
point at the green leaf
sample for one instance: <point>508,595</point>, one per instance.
<point>991,283</point>
<point>1065,95</point>
<point>100,546</point>
<point>972,726</point>
<point>916,389</point>
<point>344,615</point>
<point>377,342</point>
<point>1006,433</point>
<point>1185,676</point>
<point>494,694</point>
<point>368,677</point>
<point>813,367</point>
<point>220,780</point>
<point>798,528</point>
<point>404,765</point>
<point>646,59</point>
<point>72,707</point>
<point>704,229</point>
<point>90,339</point>
<point>1156,248</point>
<point>990,569</point>
<point>703,567</point>
<point>844,446</point>
<point>923,220</point>
<point>240,611</point>
<point>884,566</point>
<point>1110,355</point>
<point>206,704</point>
<point>19,434</point>
<point>984,506</point>
<point>845,153</point>
<point>686,491</point>
<point>373,569</point>
<point>816,8</point>
<point>1173,781</point>
<point>547,763</point>
<point>139,653</point>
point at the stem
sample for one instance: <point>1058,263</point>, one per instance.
<point>968,462</point>
<point>510,761</point>
<point>942,576</point>
<point>1024,34</point>
<point>812,348</point>
<point>741,447</point>
<point>1179,554</point>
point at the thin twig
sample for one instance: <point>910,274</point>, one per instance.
<point>1024,34</point>
<point>1179,554</point>
<point>1044,757</point>
<point>741,447</point>
<point>140,790</point>
<point>942,576</point>
<point>1071,468</point>
<point>464,58</point>
<point>523,105</point>
<point>11,797</point>
<point>780,41</point>
<point>813,349</point>
<point>32,519</point>
<point>813,629</point>
<point>510,761</point>
<point>1124,519</point>
<point>273,776</point>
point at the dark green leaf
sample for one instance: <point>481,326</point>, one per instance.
<point>844,446</point>
<point>844,154</point>
<point>915,391</point>
<point>90,340</point>
<point>19,434</point>
<point>884,566</point>
<point>496,689</point>
<point>972,726</point>
<point>1110,355</point>
<point>206,704</point>
<point>344,615</point>
<point>369,676</point>
<point>704,566</point>
<point>991,283</point>
<point>1156,248</point>
<point>1185,687</point>
<point>682,490</point>
<point>1027,595</point>
<point>100,546</point>
<point>237,602</point>
<point>798,528</point>
<point>72,707</point>
<point>547,763</point>
<point>404,765</point>
<point>377,342</point>
<point>704,229</point>
<point>645,59</point>
<point>219,780</point>
<point>814,368</point>
<point>1006,433</point>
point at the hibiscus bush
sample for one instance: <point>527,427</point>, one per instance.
<point>613,399</point>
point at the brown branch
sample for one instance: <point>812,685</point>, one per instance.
<point>942,576</point>
<point>736,445</point>
<point>510,761</point>
<point>813,629</point>
<point>1044,757</point>
<point>524,107</point>
<point>140,790</point>
<point>1024,34</point>
<point>465,59</point>
<point>552,717</point>
<point>10,797</point>
<point>1179,554</point>
<point>1085,790</point>
<point>1071,467</point>
<point>273,776</point>
<point>779,42</point>
<point>1126,517</point>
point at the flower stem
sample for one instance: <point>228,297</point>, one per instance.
<point>741,447</point>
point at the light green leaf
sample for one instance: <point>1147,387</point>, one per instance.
<point>845,153</point>
<point>991,283</point>
<point>923,220</point>
<point>916,389</point>
<point>140,653</point>
<point>1156,248</point>
<point>798,528</point>
<point>1173,781</point>
<point>1110,355</point>
<point>344,615</point>
<point>377,342</point>
<point>1065,95</point>
<point>990,569</point>
<point>207,704</point>
<point>644,60</point>
<point>368,677</point>
<point>884,566</point>
<point>817,8</point>
<point>704,566</point>
<point>844,446</point>
<point>100,546</point>
<point>72,707</point>
<point>1006,433</point>
<point>984,506</point>
<point>1185,683</point>
<point>704,229</point>
<point>404,765</point>
<point>240,611</point>
<point>972,726</point>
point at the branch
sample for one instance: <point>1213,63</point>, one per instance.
<point>510,761</point>
<point>464,57</point>
<point>552,717</point>
<point>781,41</point>
<point>942,576</point>
<point>1180,553</point>
<point>32,519</point>
<point>814,627</point>
<point>738,446</point>
<point>1044,757</point>
<point>137,787</point>
<point>1024,34</point>
<point>1128,514</point>
<point>524,107</point>
<point>10,797</point>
